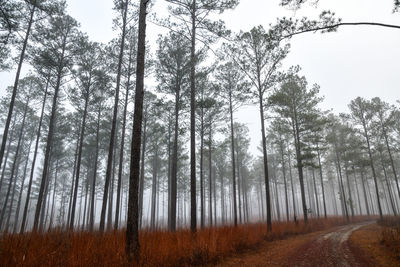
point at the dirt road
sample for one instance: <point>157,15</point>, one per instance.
<point>327,248</point>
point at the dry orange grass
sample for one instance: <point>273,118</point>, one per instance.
<point>390,236</point>
<point>378,244</point>
<point>159,248</point>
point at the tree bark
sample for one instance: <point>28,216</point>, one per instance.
<point>233,162</point>
<point>193,206</point>
<point>114,121</point>
<point>210,217</point>
<point>174,171</point>
<point>132,229</point>
<point>202,160</point>
<point>265,157</point>
<point>142,170</point>
<point>296,135</point>
<point>284,176</point>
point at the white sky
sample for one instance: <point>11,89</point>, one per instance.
<point>355,61</point>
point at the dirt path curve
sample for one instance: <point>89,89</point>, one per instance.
<point>329,249</point>
<point>326,248</point>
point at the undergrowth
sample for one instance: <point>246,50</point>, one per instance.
<point>390,236</point>
<point>158,248</point>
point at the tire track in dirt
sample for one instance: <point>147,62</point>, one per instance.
<point>327,248</point>
<point>330,249</point>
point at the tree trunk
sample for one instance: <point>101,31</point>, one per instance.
<point>284,178</point>
<point>388,186</point>
<point>111,192</point>
<point>391,158</point>
<point>45,194</point>
<point>340,184</point>
<point>222,200</point>
<point>121,156</point>
<point>71,193</point>
<point>53,198</point>
<point>114,121</point>
<point>141,182</point>
<point>201,160</point>
<point>15,87</point>
<point>22,188</point>
<point>12,196</point>
<point>78,167</point>
<point>265,158</point>
<point>154,190</point>
<point>13,168</point>
<point>278,213</point>
<point>13,128</point>
<point>364,191</point>
<point>315,192</point>
<point>233,162</point>
<point>96,160</point>
<point>299,165</point>
<point>174,171</point>
<point>238,183</point>
<point>28,194</point>
<point>291,184</point>
<point>373,170</point>
<point>49,139</point>
<point>357,191</point>
<point>322,180</point>
<point>132,235</point>
<point>193,207</point>
<point>349,190</point>
<point>210,216</point>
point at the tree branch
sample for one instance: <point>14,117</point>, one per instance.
<point>342,24</point>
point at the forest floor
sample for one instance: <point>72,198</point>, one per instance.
<point>321,242</point>
<point>358,244</point>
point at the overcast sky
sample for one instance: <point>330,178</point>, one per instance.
<point>355,61</point>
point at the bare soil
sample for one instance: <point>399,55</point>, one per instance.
<point>325,248</point>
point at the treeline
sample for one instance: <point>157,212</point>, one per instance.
<point>68,130</point>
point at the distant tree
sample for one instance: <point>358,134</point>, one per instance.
<point>29,9</point>
<point>148,104</point>
<point>9,23</point>
<point>87,61</point>
<point>194,17</point>
<point>278,132</point>
<point>122,8</point>
<point>386,118</point>
<point>128,73</point>
<point>259,56</point>
<point>47,78</point>
<point>59,47</point>
<point>293,100</point>
<point>101,93</point>
<point>172,70</point>
<point>337,137</point>
<point>28,87</point>
<point>362,115</point>
<point>234,93</point>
